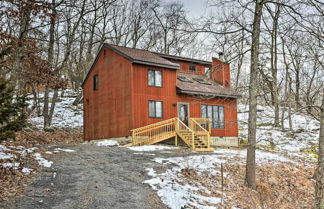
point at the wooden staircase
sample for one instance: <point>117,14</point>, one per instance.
<point>195,136</point>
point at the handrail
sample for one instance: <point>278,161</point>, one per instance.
<point>153,131</point>
<point>154,124</point>
<point>189,130</point>
<point>200,131</point>
<point>193,135</point>
<point>204,121</point>
<point>196,124</point>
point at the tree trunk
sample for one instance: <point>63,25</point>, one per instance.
<point>51,112</point>
<point>253,91</point>
<point>50,55</point>
<point>319,173</point>
<point>45,108</point>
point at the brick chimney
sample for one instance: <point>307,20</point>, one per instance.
<point>221,71</point>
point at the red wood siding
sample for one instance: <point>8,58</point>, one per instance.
<point>143,93</point>
<point>121,102</point>
<point>184,67</point>
<point>108,111</point>
<point>221,72</point>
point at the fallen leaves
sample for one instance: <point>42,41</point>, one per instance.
<point>12,178</point>
<point>280,185</point>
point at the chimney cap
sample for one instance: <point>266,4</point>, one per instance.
<point>221,56</point>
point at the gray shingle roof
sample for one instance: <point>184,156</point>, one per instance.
<point>195,87</point>
<point>141,56</point>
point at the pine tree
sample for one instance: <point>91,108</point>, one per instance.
<point>12,111</point>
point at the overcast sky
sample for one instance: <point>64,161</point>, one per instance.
<point>194,8</point>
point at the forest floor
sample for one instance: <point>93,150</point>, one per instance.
<point>105,175</point>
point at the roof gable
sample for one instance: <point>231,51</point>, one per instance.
<point>140,56</point>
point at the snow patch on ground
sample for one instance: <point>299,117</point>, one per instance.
<point>42,161</point>
<point>66,115</point>
<point>11,165</point>
<point>142,153</point>
<point>5,156</point>
<point>176,193</point>
<point>146,148</point>
<point>62,150</point>
<point>303,137</point>
<point>27,171</point>
<point>107,143</point>
<point>261,156</point>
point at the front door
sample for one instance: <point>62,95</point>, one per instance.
<point>183,112</point>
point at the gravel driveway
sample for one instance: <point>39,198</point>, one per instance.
<point>93,177</point>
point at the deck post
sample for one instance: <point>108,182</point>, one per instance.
<point>193,141</point>
<point>208,140</point>
<point>133,138</point>
<point>176,140</point>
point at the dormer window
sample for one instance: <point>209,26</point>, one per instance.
<point>184,79</point>
<point>207,71</point>
<point>202,81</point>
<point>192,68</point>
<point>155,78</point>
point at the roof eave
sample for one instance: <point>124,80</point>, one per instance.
<point>92,65</point>
<point>208,94</point>
<point>183,59</point>
<point>156,64</point>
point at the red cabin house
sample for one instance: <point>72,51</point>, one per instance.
<point>152,96</point>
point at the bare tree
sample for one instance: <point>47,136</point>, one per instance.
<point>253,91</point>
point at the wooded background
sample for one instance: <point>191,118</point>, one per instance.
<point>275,48</point>
<point>50,44</point>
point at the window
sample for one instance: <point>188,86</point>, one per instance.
<point>155,78</point>
<point>184,79</point>
<point>202,81</point>
<point>215,113</point>
<point>207,72</point>
<point>95,82</point>
<point>155,109</point>
<point>192,68</point>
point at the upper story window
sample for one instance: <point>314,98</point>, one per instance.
<point>215,113</point>
<point>95,82</point>
<point>192,68</point>
<point>155,78</point>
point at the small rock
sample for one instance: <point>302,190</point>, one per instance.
<point>272,181</point>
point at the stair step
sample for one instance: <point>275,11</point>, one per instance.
<point>204,149</point>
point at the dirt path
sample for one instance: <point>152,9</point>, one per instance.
<point>93,177</point>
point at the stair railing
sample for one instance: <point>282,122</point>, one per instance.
<point>200,131</point>
<point>152,131</point>
<point>183,127</point>
<point>204,122</point>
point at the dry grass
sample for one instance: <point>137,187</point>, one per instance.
<point>281,185</point>
<point>12,179</point>
<point>32,138</point>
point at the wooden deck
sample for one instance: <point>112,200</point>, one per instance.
<point>196,135</point>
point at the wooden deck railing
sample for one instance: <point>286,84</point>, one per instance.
<point>151,132</point>
<point>186,133</point>
<point>195,134</point>
<point>199,131</point>
<point>204,122</point>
